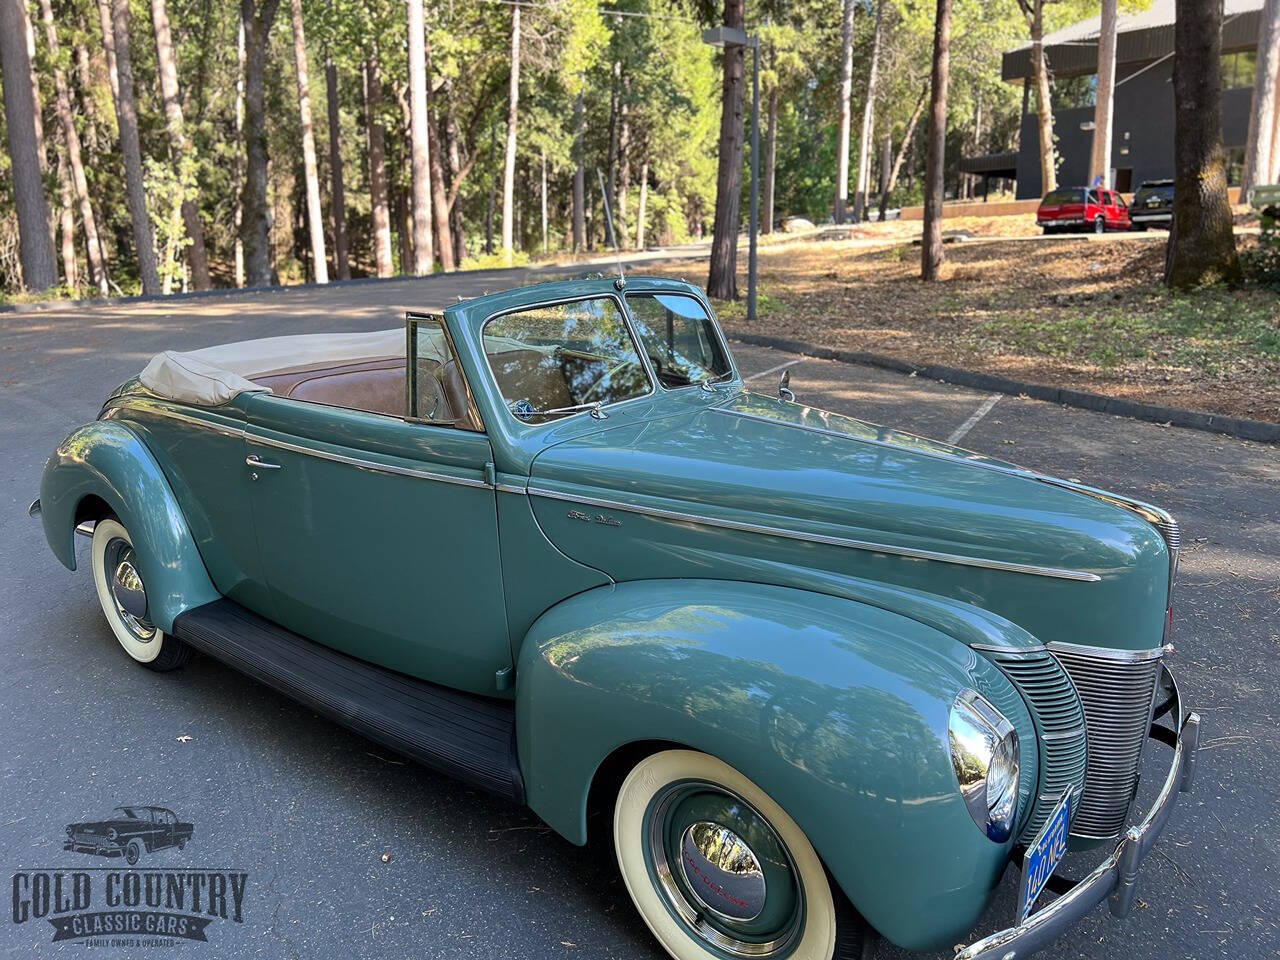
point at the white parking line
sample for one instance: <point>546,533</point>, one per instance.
<point>972,422</point>
<point>780,367</point>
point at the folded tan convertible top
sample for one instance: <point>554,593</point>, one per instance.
<point>215,375</point>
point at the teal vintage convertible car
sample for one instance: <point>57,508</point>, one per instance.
<point>823,678</point>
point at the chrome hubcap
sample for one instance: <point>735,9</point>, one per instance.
<point>723,871</point>
<point>127,590</point>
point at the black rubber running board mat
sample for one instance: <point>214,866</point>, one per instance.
<point>464,735</point>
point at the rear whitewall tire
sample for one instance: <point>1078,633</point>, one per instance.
<point>815,939</point>
<point>155,650</point>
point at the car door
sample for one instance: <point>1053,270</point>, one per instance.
<point>378,534</point>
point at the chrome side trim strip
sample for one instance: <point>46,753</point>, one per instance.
<point>509,488</point>
<point>1106,653</point>
<point>999,648</point>
<point>367,464</point>
<point>768,531</point>
<point>155,409</point>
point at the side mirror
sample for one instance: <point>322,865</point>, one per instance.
<point>784,387</point>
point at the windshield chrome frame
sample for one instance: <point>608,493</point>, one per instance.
<point>556,301</point>
<point>728,377</point>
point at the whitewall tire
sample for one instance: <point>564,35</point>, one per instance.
<point>122,595</point>
<point>717,869</point>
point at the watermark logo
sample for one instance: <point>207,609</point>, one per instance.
<point>129,904</point>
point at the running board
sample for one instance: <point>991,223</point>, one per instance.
<point>464,735</point>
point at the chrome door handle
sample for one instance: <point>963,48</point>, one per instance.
<point>260,464</point>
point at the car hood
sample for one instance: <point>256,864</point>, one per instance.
<point>856,498</point>
<point>101,826</point>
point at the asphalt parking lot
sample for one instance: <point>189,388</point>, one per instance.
<point>352,853</point>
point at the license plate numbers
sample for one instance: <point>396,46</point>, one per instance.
<point>1044,853</point>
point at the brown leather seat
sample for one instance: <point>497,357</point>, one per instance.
<point>375,386</point>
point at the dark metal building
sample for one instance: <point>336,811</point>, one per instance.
<point>1142,121</point>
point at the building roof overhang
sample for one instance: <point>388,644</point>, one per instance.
<point>1140,37</point>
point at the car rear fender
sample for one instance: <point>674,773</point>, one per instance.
<point>107,461</point>
<point>838,709</point>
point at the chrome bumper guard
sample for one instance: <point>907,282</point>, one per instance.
<point>1116,877</point>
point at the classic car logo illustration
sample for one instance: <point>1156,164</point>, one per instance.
<point>129,832</point>
<point>129,905</point>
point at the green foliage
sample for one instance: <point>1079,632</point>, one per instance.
<point>647,73</point>
<point>1261,263</point>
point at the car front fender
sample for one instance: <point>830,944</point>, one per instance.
<point>837,709</point>
<point>106,460</point>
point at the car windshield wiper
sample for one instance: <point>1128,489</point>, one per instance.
<point>596,407</point>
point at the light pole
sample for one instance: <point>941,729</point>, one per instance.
<point>731,36</point>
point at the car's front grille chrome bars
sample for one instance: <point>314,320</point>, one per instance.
<point>1117,689</point>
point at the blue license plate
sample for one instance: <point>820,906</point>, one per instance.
<point>1044,853</point>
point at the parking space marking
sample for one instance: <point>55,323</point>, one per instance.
<point>778,369</point>
<point>972,422</point>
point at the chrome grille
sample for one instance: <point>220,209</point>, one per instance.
<point>1060,728</point>
<point>1117,688</point>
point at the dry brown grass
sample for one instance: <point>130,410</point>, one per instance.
<point>1074,312</point>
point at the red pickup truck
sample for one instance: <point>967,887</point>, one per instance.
<point>1082,208</point>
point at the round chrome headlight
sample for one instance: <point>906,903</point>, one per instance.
<point>111,834</point>
<point>984,755</point>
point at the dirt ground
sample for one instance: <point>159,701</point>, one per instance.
<point>1081,312</point>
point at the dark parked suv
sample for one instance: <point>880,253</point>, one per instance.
<point>1152,205</point>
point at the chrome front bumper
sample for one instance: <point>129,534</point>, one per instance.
<point>1116,877</point>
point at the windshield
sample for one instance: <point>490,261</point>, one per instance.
<point>1163,192</point>
<point>556,360</point>
<point>129,813</point>
<point>679,338</point>
<point>1064,196</point>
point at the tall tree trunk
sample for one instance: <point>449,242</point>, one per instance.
<point>770,162</point>
<point>931,245</point>
<point>1202,247</point>
<point>239,117</point>
<point>868,120</point>
<point>1275,139</point>
<point>109,46</point>
<point>127,121</point>
<point>579,179</point>
<point>178,146</point>
<point>624,168</point>
<point>457,173</point>
<point>84,77</point>
<point>644,199</point>
<point>611,159</point>
<point>420,142</point>
<point>439,196</point>
<point>1104,109</point>
<point>67,222</point>
<point>886,165</point>
<point>337,192</point>
<point>493,186</point>
<point>315,213</point>
<point>509,168</point>
<point>41,147</point>
<point>402,217</point>
<point>722,280</point>
<point>75,162</point>
<point>1263,115</point>
<point>1034,12</point>
<point>846,111</point>
<point>35,247</point>
<point>908,138</point>
<point>257,16</point>
<point>379,212</point>
<point>544,201</point>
